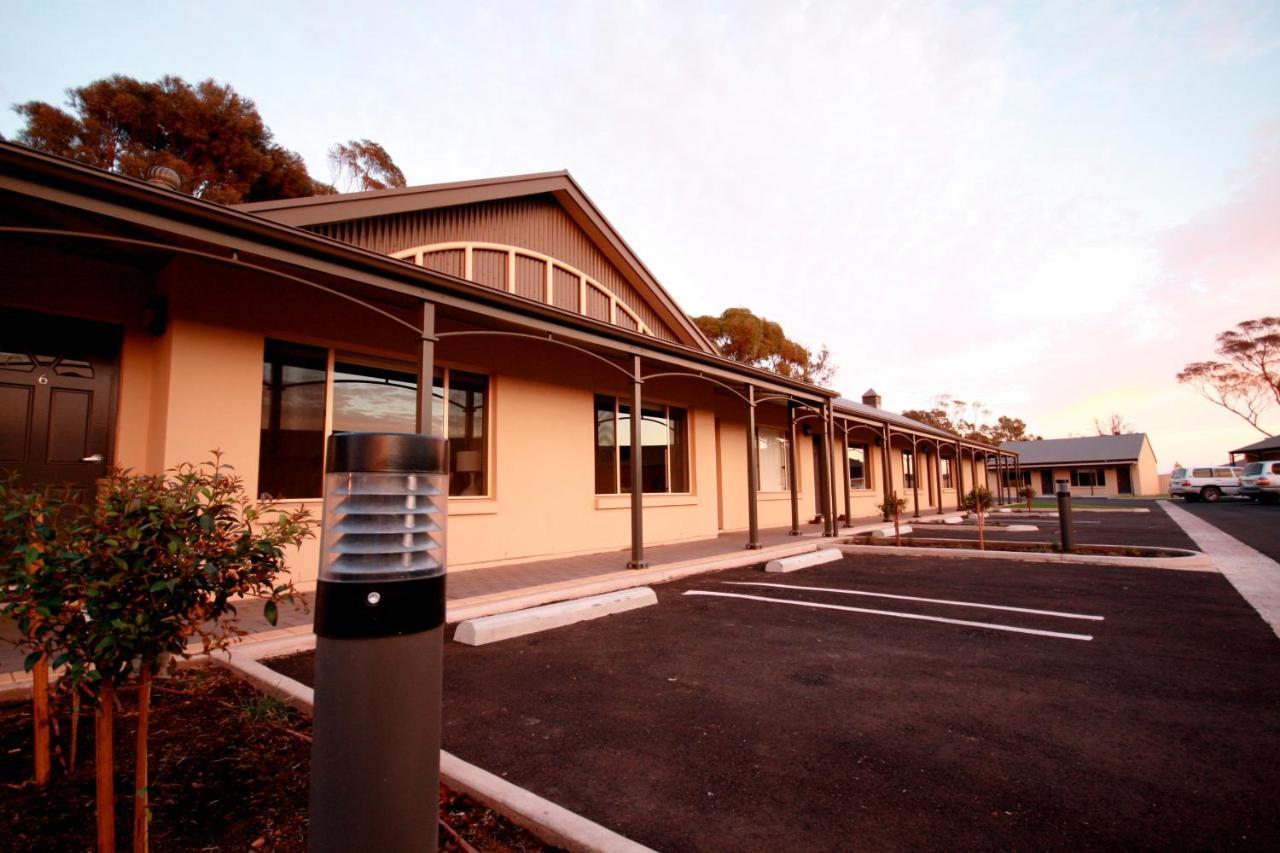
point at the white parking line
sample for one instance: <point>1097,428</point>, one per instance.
<point>987,625</point>
<point>926,600</point>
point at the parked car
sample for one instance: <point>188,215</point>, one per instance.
<point>1207,484</point>
<point>1261,481</point>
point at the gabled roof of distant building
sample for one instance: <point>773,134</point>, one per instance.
<point>1272,443</point>
<point>1075,451</point>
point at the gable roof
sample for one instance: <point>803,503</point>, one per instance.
<point>1085,449</point>
<point>853,407</point>
<point>1272,443</point>
<point>341,207</point>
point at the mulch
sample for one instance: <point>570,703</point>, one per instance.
<point>230,770</point>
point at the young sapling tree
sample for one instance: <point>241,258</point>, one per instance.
<point>1028,493</point>
<point>39,555</point>
<point>979,502</point>
<point>892,508</point>
<point>169,557</point>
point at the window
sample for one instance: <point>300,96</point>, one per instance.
<point>1013,478</point>
<point>946,472</point>
<point>291,447</point>
<point>1088,477</point>
<point>367,395</point>
<point>1224,472</point>
<point>908,469</point>
<point>367,398</point>
<point>465,395</point>
<point>858,479</point>
<point>664,455</point>
<point>771,457</point>
<point>1202,472</point>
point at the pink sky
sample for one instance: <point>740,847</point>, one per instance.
<point>1049,208</point>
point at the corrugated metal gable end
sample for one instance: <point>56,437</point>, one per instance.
<point>537,223</point>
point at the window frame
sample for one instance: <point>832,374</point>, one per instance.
<point>784,440</point>
<point>908,469</point>
<point>948,475</point>
<point>1099,478</point>
<point>867,467</point>
<point>357,358</point>
<point>618,402</point>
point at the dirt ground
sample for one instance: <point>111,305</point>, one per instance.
<point>710,723</point>
<point>229,771</point>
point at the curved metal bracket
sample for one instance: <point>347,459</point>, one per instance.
<point>725,386</point>
<point>234,261</point>
<point>545,339</point>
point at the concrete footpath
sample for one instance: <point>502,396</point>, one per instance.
<point>1254,575</point>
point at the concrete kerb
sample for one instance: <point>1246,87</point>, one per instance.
<point>1194,562</point>
<point>1254,575</point>
<point>552,823</point>
<point>519,623</point>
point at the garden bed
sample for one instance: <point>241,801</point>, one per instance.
<point>910,541</point>
<point>230,770</point>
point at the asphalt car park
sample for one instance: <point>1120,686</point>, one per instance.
<point>1256,525</point>
<point>886,702</point>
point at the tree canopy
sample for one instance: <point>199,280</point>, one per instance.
<point>742,336</point>
<point>1115,424</point>
<point>971,421</point>
<point>1247,382</point>
<point>212,136</point>
<point>361,165</point>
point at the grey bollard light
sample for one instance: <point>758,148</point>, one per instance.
<point>1065,523</point>
<point>379,623</point>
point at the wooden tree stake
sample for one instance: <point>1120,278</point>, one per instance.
<point>140,794</point>
<point>40,720</point>
<point>104,761</point>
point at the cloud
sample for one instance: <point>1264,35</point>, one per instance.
<point>1232,252</point>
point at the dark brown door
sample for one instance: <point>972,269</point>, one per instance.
<point>1124,485</point>
<point>57,397</point>
<point>1047,486</point>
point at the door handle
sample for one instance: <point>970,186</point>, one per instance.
<point>97,457</point>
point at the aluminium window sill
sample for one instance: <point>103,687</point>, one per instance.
<point>652,499</point>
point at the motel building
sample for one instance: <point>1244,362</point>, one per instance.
<point>1093,466</point>
<point>141,327</point>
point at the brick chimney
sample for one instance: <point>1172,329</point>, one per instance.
<point>871,398</point>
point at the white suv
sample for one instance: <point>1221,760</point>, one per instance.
<point>1206,484</point>
<point>1261,481</point>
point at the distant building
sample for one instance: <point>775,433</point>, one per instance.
<point>1099,465</point>
<point>1268,448</point>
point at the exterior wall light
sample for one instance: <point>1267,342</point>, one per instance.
<point>379,623</point>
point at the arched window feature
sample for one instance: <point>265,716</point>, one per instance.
<point>526,273</point>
